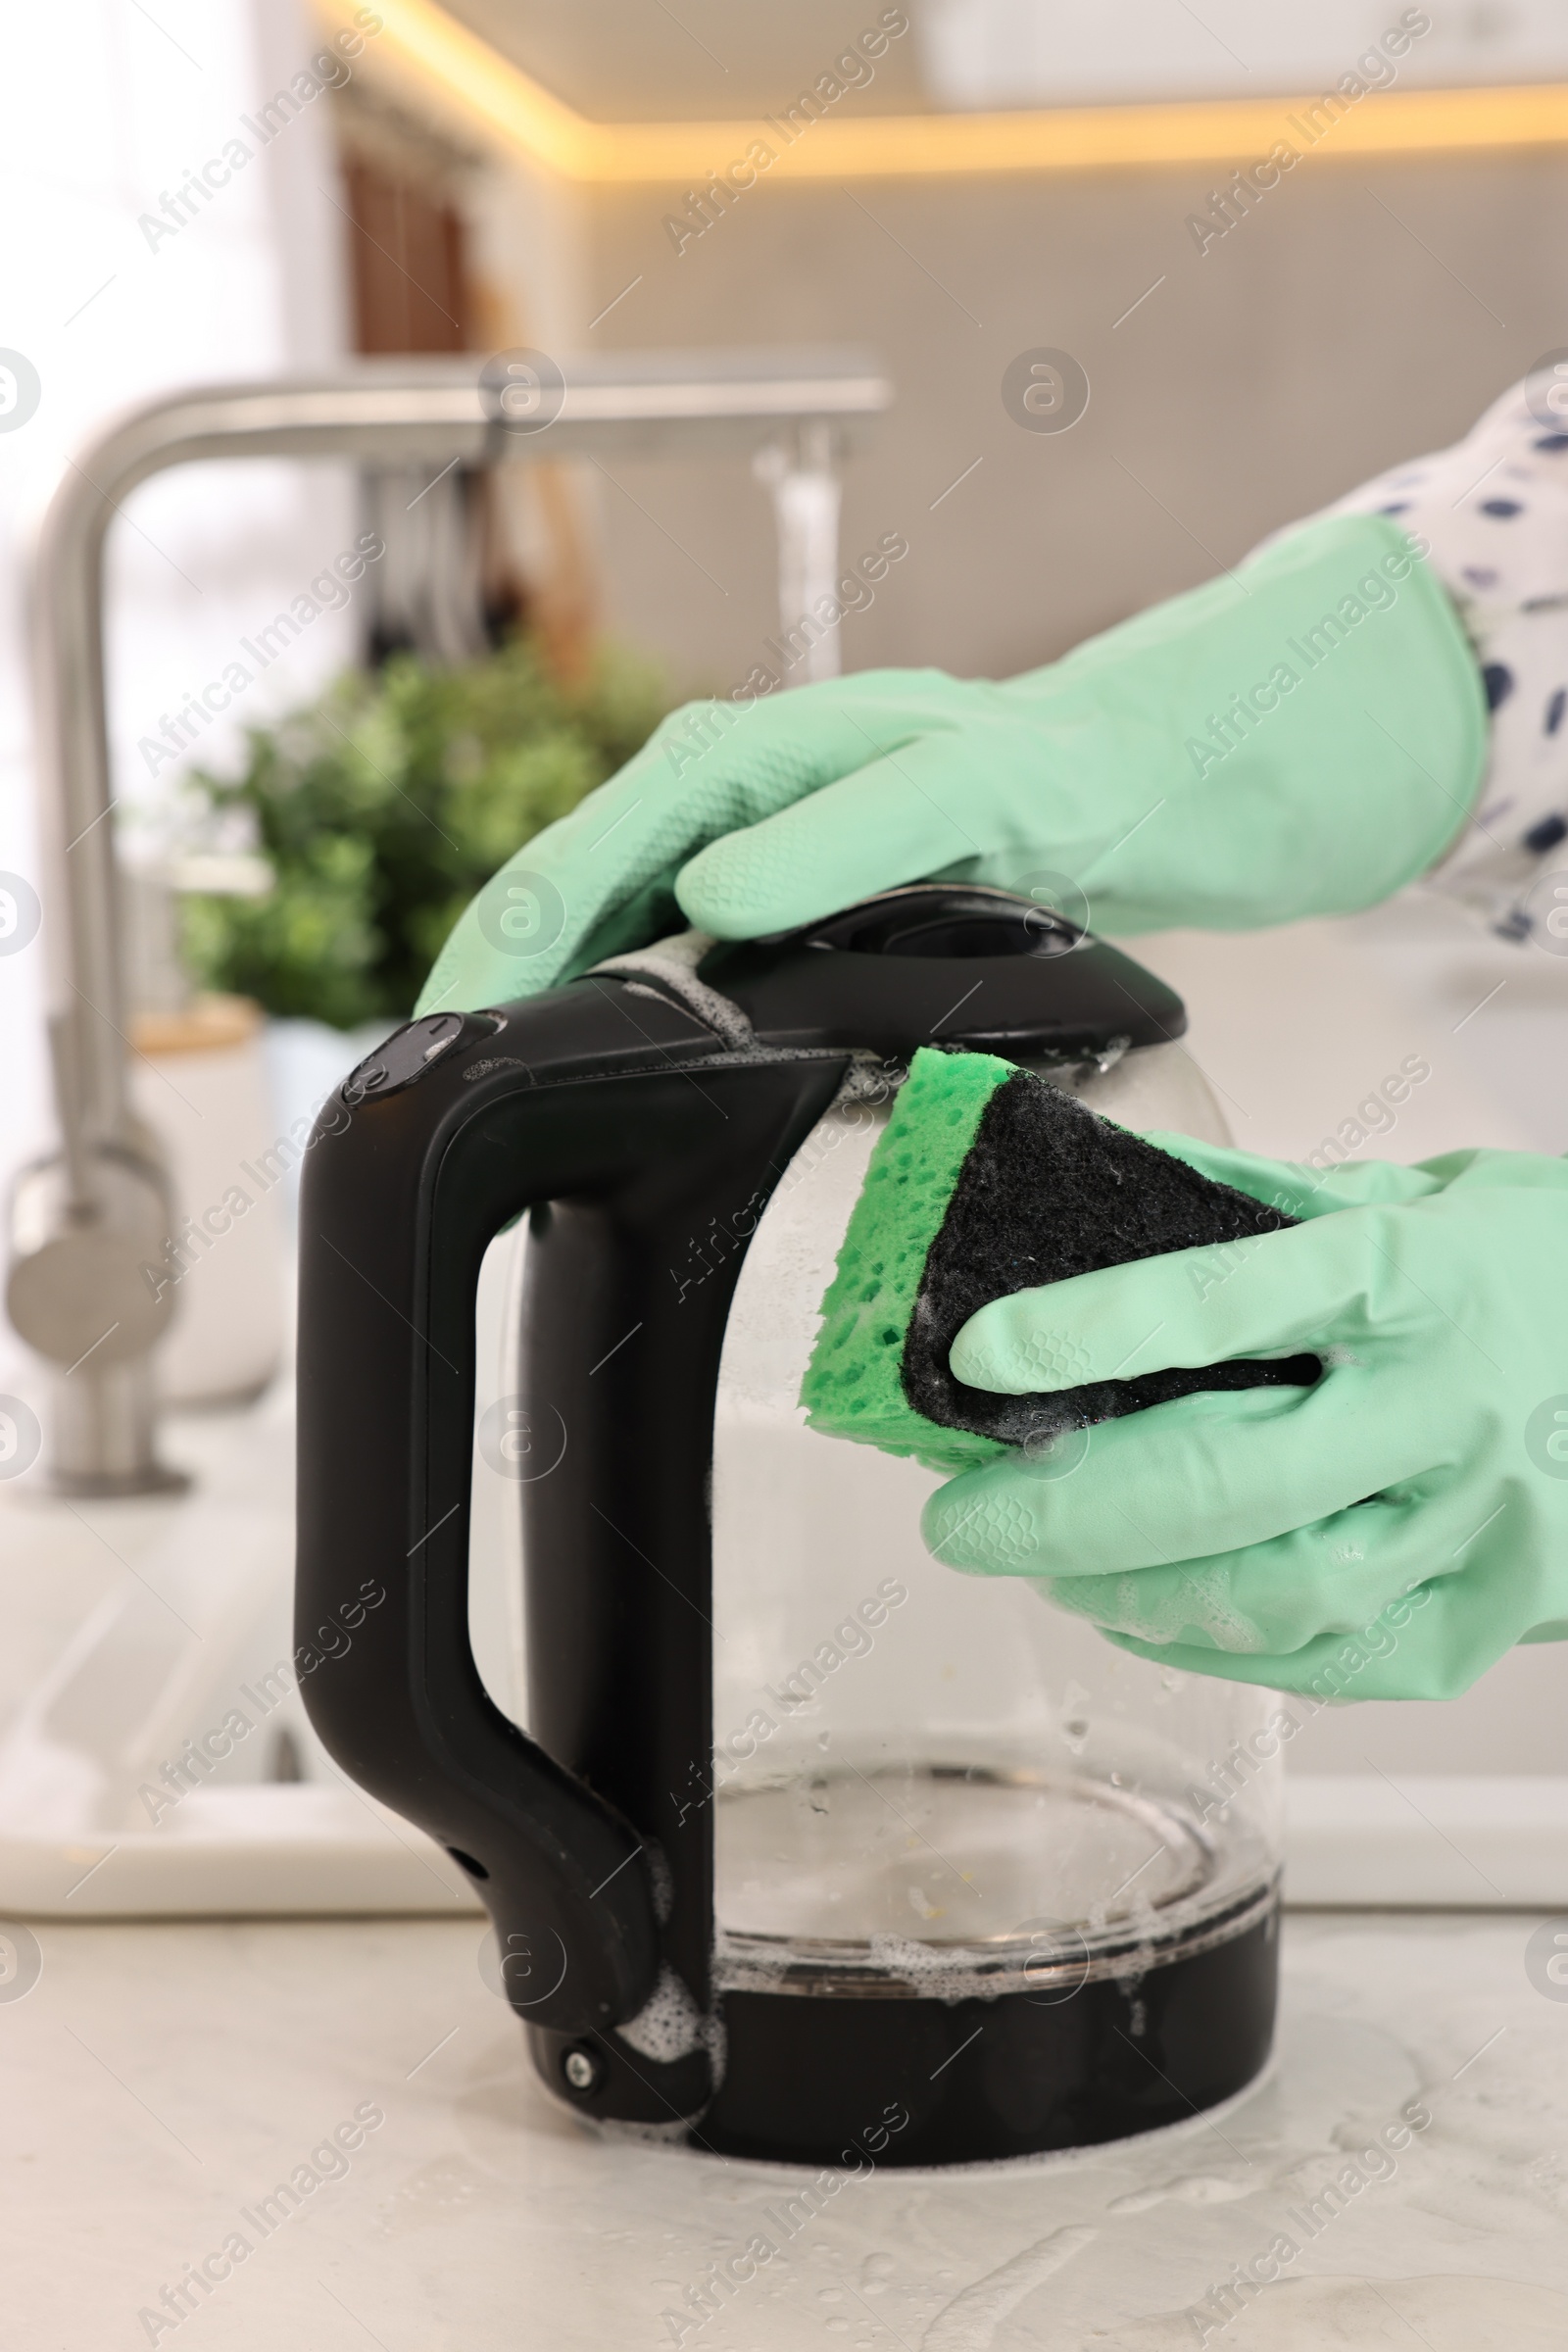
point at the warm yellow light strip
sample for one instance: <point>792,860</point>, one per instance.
<point>427,49</point>
<point>422,44</point>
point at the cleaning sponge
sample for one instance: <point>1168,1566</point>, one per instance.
<point>989,1180</point>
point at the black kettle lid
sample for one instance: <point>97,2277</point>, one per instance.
<point>951,964</point>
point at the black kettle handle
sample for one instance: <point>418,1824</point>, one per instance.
<point>451,1130</point>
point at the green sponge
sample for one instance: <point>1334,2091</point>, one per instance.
<point>854,1385</point>
<point>989,1180</point>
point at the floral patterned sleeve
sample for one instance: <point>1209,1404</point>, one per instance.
<point>1493,513</point>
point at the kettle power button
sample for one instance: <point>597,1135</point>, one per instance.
<point>404,1056</point>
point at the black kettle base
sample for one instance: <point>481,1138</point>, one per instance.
<point>856,2082</point>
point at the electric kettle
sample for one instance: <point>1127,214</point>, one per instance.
<point>812,1849</point>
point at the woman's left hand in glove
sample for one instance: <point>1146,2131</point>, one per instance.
<point>1387,1532</point>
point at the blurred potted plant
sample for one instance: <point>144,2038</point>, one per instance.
<point>381,809</point>
<point>314,887</point>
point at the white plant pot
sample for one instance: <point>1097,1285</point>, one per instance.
<point>199,1080</point>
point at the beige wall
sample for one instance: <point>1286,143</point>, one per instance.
<point>1327,336</point>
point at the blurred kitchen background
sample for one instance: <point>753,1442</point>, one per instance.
<point>474,181</point>
<point>944,184</point>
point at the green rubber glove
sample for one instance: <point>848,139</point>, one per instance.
<point>1386,1534</point>
<point>1132,769</point>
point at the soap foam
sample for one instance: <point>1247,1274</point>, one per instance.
<point>1190,1604</point>
<point>670,2024</point>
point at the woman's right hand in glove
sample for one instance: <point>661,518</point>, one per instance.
<point>1300,737</point>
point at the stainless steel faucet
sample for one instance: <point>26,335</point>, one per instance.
<point>86,1220</point>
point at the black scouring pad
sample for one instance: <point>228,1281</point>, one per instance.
<point>989,1180</point>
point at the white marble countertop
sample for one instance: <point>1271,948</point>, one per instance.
<point>161,2081</point>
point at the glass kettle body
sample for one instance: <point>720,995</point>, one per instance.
<point>813,1849</point>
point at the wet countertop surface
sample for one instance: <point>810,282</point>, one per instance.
<point>164,2083</point>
